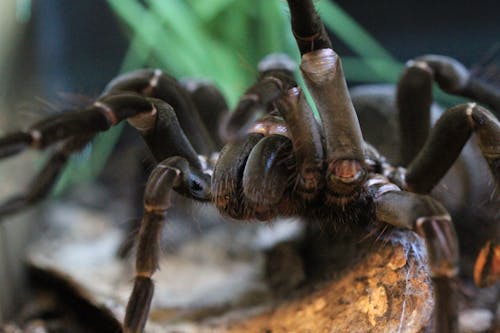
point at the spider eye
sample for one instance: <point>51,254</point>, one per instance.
<point>195,186</point>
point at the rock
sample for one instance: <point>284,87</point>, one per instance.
<point>376,294</point>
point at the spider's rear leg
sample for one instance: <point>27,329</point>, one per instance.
<point>442,148</point>
<point>446,141</point>
<point>46,178</point>
<point>173,173</point>
<point>276,77</point>
<point>430,219</point>
<point>453,78</point>
<point>414,96</point>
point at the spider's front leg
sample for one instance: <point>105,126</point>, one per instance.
<point>104,113</point>
<point>323,75</point>
<point>130,96</point>
<point>124,98</point>
<point>72,131</point>
<point>322,71</point>
<point>174,173</point>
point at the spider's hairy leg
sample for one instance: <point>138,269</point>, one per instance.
<point>173,173</point>
<point>305,134</point>
<point>211,106</point>
<point>323,74</point>
<point>430,219</point>
<point>487,267</point>
<point>322,71</point>
<point>163,134</point>
<point>14,143</point>
<point>446,141</point>
<point>454,78</point>
<point>414,99</point>
<point>307,27</point>
<point>46,178</point>
<point>275,78</point>
<point>72,130</point>
<point>165,138</point>
<point>100,116</point>
<point>157,84</point>
<point>122,99</point>
<point>442,148</point>
<point>414,96</point>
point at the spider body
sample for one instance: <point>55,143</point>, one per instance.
<point>279,161</point>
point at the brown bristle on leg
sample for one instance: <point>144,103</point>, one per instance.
<point>487,267</point>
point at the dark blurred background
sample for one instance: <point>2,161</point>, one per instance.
<point>69,46</point>
<point>465,30</point>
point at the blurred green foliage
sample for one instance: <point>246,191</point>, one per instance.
<point>223,40</point>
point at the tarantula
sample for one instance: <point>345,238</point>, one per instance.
<point>285,163</point>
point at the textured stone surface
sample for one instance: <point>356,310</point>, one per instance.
<point>386,291</point>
